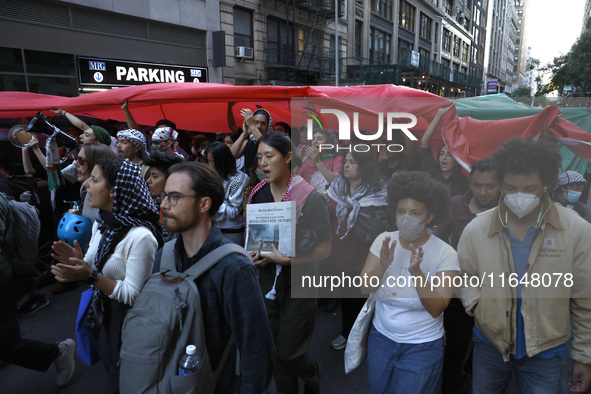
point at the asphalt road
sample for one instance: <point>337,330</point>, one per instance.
<point>56,322</point>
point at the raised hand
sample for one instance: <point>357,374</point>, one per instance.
<point>62,252</point>
<point>248,117</point>
<point>75,270</point>
<point>387,253</point>
<point>416,259</point>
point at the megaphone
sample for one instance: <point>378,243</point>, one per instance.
<point>39,125</point>
<point>21,135</point>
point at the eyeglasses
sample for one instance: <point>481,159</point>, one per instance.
<point>173,198</point>
<point>158,142</point>
<point>81,160</point>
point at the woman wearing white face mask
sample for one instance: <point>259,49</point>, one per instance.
<point>405,343</point>
<point>571,185</point>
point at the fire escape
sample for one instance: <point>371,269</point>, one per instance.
<point>297,57</point>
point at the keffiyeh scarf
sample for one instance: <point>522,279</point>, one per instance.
<point>135,136</point>
<point>132,207</point>
<point>348,206</point>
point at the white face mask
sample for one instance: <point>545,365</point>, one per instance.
<point>410,227</point>
<point>521,204</point>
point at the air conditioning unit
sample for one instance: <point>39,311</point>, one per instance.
<point>243,52</point>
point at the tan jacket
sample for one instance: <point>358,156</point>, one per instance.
<point>562,245</point>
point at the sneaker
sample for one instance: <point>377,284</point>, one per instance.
<point>339,343</point>
<point>32,305</point>
<point>64,363</point>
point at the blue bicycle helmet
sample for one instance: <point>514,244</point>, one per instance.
<point>75,227</point>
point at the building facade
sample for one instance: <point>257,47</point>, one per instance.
<point>75,46</point>
<point>154,36</point>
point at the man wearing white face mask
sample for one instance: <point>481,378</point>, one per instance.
<point>571,186</point>
<point>522,318</point>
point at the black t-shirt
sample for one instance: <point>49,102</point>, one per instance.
<point>313,217</point>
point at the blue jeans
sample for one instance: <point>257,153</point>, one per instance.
<point>403,367</point>
<point>491,375</point>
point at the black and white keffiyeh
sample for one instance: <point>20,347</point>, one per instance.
<point>132,207</point>
<point>135,136</point>
<point>348,206</point>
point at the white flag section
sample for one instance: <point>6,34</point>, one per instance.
<point>271,223</point>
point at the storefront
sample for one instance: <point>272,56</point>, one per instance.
<point>43,43</point>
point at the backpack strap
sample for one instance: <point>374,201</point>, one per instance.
<point>212,258</point>
<point>167,258</point>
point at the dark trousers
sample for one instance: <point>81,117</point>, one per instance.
<point>292,323</point>
<point>108,342</point>
<point>350,308</point>
<point>15,350</point>
<point>458,333</point>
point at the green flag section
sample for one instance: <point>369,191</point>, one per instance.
<point>500,106</point>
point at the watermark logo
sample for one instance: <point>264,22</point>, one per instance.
<point>393,124</point>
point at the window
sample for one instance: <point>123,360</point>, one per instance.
<point>426,23</point>
<point>242,28</point>
<point>46,72</point>
<point>379,45</point>
<point>465,50</point>
<point>474,55</point>
<point>457,46</point>
<point>278,52</point>
<point>406,18</point>
<point>358,35</point>
<point>382,8</point>
<point>448,5</point>
<point>447,40</point>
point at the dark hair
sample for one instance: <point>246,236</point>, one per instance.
<point>205,182</point>
<point>296,161</point>
<point>368,165</point>
<point>162,161</point>
<point>277,140</point>
<point>484,165</point>
<point>420,187</point>
<point>95,153</point>
<point>233,136</point>
<point>519,156</point>
<point>166,123</point>
<point>225,163</point>
<point>110,166</point>
<point>199,138</point>
<point>285,126</point>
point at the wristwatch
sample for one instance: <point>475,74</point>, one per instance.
<point>92,277</point>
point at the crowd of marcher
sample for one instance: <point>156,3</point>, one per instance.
<point>413,214</point>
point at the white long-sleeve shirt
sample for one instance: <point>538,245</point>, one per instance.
<point>130,264</point>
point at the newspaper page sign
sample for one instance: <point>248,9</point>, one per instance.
<point>271,223</point>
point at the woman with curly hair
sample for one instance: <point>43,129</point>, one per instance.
<point>405,343</point>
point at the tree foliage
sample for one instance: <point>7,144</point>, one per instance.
<point>522,91</point>
<point>574,68</point>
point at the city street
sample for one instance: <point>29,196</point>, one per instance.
<point>56,322</point>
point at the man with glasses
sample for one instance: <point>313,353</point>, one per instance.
<point>571,185</point>
<point>230,295</point>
